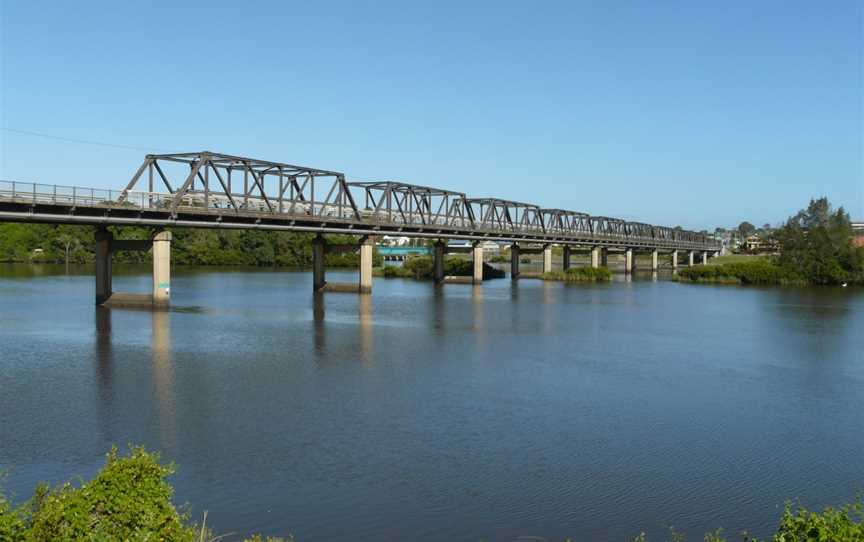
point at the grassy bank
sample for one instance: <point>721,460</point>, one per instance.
<point>760,271</point>
<point>738,258</point>
<point>580,274</point>
<point>130,499</point>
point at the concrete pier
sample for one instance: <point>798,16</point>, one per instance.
<point>674,259</point>
<point>477,254</point>
<point>704,258</point>
<point>547,259</point>
<point>595,257</point>
<point>629,261</point>
<point>106,246</point>
<point>565,262</point>
<point>438,261</point>
<point>319,249</point>
<point>162,268</point>
<point>367,244</point>
<point>690,258</point>
<point>103,266</point>
<point>514,261</point>
<point>653,260</point>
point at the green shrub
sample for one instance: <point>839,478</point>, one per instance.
<point>580,274</point>
<point>420,268</point>
<point>832,524</point>
<point>129,499</point>
<point>12,524</point>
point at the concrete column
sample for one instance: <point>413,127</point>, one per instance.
<point>103,265</point>
<point>547,259</point>
<point>366,246</point>
<point>514,261</point>
<point>674,259</point>
<point>604,256</point>
<point>705,258</point>
<point>319,248</point>
<point>595,257</point>
<point>565,264</point>
<point>628,261</point>
<point>653,260</point>
<point>438,262</point>
<point>162,268</point>
<point>690,256</point>
<point>478,263</point>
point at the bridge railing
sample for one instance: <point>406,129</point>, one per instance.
<point>494,217</point>
<point>75,196</point>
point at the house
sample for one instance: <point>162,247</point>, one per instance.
<point>753,243</point>
<point>858,233</point>
<point>391,241</point>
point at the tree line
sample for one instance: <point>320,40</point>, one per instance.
<point>52,243</point>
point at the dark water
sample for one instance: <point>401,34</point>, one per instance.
<point>456,413</point>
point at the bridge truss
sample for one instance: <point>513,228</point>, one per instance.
<point>213,190</point>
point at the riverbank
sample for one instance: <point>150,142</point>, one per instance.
<point>761,271</point>
<point>131,499</point>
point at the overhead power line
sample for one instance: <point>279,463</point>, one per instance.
<point>82,141</point>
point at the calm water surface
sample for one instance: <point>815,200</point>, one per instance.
<point>458,413</point>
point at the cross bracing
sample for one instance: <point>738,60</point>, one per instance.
<point>206,189</point>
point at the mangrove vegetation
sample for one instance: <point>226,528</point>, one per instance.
<point>52,243</point>
<point>580,274</point>
<point>420,268</point>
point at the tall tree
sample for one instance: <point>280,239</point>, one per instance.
<point>817,242</point>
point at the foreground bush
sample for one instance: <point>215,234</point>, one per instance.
<point>580,274</point>
<point>129,499</point>
<point>845,524</point>
<point>841,524</point>
<point>761,271</point>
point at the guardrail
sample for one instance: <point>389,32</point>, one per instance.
<point>598,229</point>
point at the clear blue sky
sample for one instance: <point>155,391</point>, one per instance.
<point>692,113</point>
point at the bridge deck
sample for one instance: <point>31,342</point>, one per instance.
<point>221,191</point>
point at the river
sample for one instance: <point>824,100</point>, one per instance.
<point>460,413</point>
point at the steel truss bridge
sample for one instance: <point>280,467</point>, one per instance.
<point>211,190</point>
